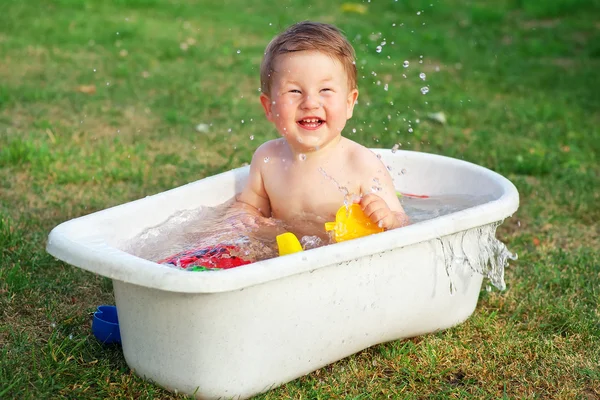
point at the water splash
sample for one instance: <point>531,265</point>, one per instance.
<point>348,196</point>
<point>478,249</point>
<point>311,242</point>
<point>205,227</point>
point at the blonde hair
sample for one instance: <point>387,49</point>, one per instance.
<point>308,35</point>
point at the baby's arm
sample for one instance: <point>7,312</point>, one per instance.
<point>379,200</point>
<point>252,204</point>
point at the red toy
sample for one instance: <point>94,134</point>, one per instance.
<point>206,258</point>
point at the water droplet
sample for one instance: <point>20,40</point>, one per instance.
<point>424,90</point>
<point>266,159</point>
<point>422,75</point>
<point>242,121</point>
<point>107,83</point>
<point>395,148</point>
<point>405,64</point>
<point>251,137</point>
<point>385,87</point>
<point>353,130</point>
<point>94,69</point>
<point>239,51</point>
<point>410,130</point>
<point>302,156</point>
<point>378,49</point>
<point>203,128</point>
<point>418,12</point>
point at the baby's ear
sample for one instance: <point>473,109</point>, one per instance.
<point>351,101</point>
<point>267,104</point>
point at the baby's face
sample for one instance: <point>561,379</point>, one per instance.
<point>310,99</point>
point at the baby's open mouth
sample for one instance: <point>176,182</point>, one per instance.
<point>311,123</point>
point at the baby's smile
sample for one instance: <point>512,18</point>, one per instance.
<point>311,123</point>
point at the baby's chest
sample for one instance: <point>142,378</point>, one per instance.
<point>296,193</point>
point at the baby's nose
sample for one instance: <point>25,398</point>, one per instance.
<point>311,102</point>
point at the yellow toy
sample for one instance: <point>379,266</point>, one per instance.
<point>351,223</point>
<point>288,244</point>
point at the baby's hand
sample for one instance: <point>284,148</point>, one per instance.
<point>243,221</point>
<point>379,212</point>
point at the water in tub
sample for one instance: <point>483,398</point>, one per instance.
<point>206,227</point>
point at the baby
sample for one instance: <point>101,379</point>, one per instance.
<point>308,84</point>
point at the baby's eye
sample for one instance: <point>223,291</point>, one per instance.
<point>326,90</point>
<point>294,91</point>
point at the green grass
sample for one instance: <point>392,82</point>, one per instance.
<point>517,79</point>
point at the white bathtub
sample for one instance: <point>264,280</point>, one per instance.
<point>239,332</point>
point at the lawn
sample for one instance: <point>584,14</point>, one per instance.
<point>100,103</point>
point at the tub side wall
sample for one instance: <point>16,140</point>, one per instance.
<point>243,342</point>
<point>438,175</point>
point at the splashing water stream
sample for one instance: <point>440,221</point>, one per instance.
<point>478,249</point>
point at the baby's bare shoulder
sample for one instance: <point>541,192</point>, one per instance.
<point>270,149</point>
<point>360,156</point>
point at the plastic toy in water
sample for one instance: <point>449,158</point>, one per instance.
<point>416,196</point>
<point>105,325</point>
<point>206,258</point>
<point>288,244</point>
<point>351,223</point>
